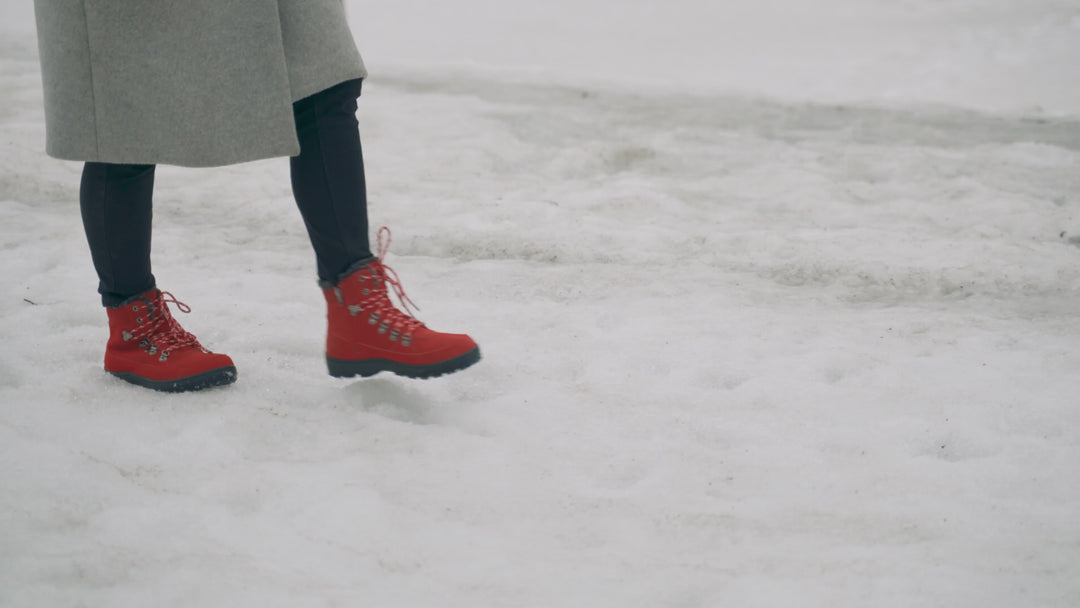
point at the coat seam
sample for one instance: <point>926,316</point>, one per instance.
<point>93,82</point>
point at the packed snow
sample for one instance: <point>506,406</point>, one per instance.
<point>779,304</point>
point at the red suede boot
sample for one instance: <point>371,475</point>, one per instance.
<point>367,334</point>
<point>149,348</point>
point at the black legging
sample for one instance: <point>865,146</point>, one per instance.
<point>327,181</point>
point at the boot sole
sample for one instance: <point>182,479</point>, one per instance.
<point>215,377</point>
<point>345,368</point>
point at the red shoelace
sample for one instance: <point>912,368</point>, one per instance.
<point>377,298</point>
<point>158,332</point>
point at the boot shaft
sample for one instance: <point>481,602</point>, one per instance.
<point>133,317</point>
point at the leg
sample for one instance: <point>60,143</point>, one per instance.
<point>328,179</point>
<point>117,209</point>
<point>146,345</point>
<point>366,333</point>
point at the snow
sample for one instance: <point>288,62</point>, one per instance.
<point>778,306</point>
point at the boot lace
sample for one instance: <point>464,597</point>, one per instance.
<point>158,332</point>
<point>376,299</point>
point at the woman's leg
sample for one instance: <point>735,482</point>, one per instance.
<point>328,179</point>
<point>146,345</point>
<point>117,211</point>
<point>366,332</point>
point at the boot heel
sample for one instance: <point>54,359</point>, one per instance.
<point>341,368</point>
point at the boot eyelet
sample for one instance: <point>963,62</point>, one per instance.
<point>138,320</point>
<point>135,308</point>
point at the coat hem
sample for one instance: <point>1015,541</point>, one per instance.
<point>201,163</point>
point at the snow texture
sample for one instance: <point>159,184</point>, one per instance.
<point>779,304</point>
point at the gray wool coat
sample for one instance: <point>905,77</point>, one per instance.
<point>195,83</point>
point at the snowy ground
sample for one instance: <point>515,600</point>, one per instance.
<point>796,325</point>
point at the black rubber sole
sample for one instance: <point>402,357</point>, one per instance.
<point>344,368</point>
<point>215,377</point>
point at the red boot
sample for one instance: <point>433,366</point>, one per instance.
<point>367,334</point>
<point>149,348</point>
